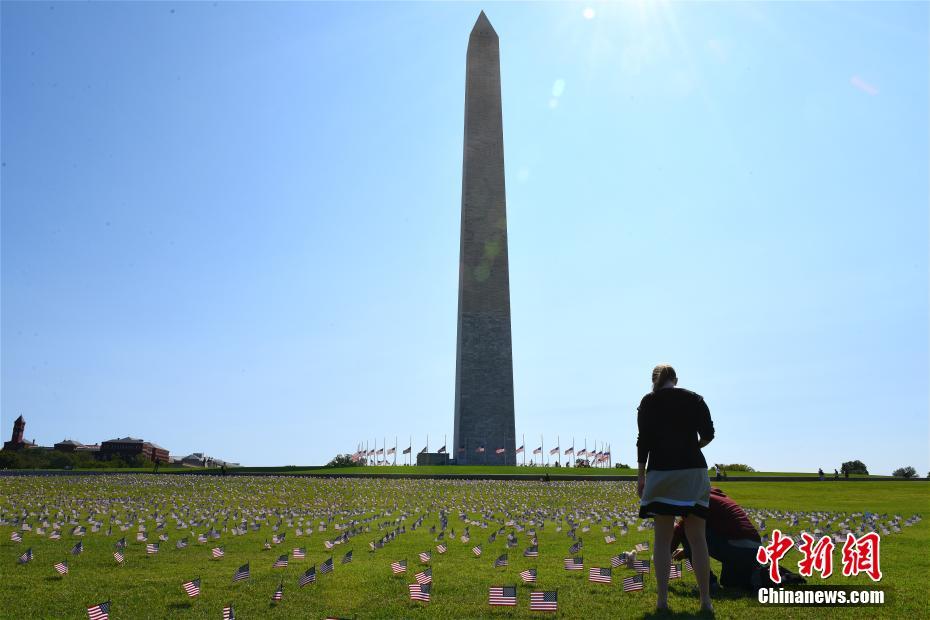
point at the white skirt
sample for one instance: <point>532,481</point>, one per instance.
<point>679,492</point>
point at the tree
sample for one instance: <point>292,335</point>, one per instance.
<point>854,467</point>
<point>737,467</point>
<point>905,472</point>
<point>343,460</point>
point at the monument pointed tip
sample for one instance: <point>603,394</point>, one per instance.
<point>483,25</point>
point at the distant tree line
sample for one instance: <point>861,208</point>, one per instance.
<point>36,458</point>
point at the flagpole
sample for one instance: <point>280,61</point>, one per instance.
<point>524,449</point>
<point>395,450</point>
<point>545,455</point>
<point>410,446</point>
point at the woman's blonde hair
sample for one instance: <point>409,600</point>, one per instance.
<point>661,374</point>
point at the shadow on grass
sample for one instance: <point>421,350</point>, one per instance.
<point>184,605</point>
<point>671,613</point>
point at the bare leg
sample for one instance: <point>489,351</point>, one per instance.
<point>700,560</point>
<point>662,556</point>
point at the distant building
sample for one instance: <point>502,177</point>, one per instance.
<point>128,447</point>
<point>68,445</point>
<point>199,459</point>
<point>16,441</point>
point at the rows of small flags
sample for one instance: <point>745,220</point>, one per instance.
<point>526,520</point>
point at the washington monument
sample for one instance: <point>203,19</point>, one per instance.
<point>484,421</point>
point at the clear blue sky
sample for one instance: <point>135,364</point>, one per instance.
<point>234,228</point>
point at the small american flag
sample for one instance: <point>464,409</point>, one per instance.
<point>501,561</point>
<point>99,612</point>
<point>528,575</point>
<point>574,564</point>
<point>641,547</point>
<point>328,544</point>
<point>599,575</point>
<point>500,450</point>
<point>531,552</point>
<point>78,548</point>
<point>419,591</point>
<point>399,567</point>
<point>674,571</point>
<point>192,587</point>
<point>544,601</point>
<point>688,565</point>
<point>476,550</point>
<point>641,566</point>
<point>425,576</point>
<point>181,543</point>
<point>118,557</point>
<point>619,560</point>
<point>26,557</point>
<point>279,593</point>
<point>576,547</point>
<point>202,538</point>
<point>16,537</point>
<point>502,595</point>
<point>228,613</point>
<point>610,539</point>
<point>538,450</point>
<point>219,552</point>
<point>151,548</point>
<point>62,568</point>
<point>309,576</point>
<point>347,558</point>
<point>300,553</point>
<point>440,549</point>
<point>241,573</point>
<point>326,567</point>
<point>631,584</point>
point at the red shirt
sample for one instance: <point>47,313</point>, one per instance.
<point>726,518</point>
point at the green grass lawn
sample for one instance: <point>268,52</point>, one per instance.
<point>150,586</point>
<point>429,470</point>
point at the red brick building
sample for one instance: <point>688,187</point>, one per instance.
<point>130,447</point>
<point>16,441</point>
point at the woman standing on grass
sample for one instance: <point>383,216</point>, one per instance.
<point>674,424</point>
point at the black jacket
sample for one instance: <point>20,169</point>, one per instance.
<point>671,421</point>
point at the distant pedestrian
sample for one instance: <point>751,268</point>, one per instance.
<point>820,473</point>
<point>674,424</point>
<point>836,474</point>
